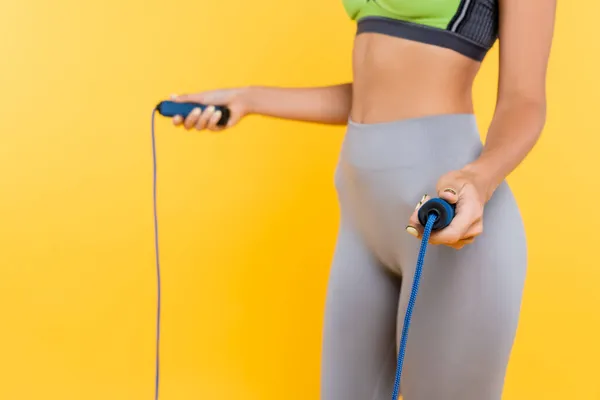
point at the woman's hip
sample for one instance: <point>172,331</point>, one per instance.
<point>405,158</point>
<point>385,168</point>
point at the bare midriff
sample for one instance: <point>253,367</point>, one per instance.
<point>396,79</point>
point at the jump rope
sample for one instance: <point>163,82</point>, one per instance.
<point>434,215</point>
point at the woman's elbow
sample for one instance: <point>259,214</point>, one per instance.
<point>529,109</point>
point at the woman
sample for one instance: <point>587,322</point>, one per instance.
<point>411,130</point>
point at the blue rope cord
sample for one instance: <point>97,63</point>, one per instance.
<point>157,261</point>
<point>407,318</point>
<point>411,303</point>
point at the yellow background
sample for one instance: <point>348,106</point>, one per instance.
<point>248,218</point>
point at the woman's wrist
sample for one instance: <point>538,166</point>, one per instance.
<point>247,97</point>
<point>260,100</point>
<point>484,178</point>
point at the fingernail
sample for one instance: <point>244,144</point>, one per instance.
<point>450,190</point>
<point>173,96</point>
<point>196,111</point>
<point>411,230</point>
<point>210,109</point>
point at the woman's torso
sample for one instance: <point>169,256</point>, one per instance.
<point>414,58</point>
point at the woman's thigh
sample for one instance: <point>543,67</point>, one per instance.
<point>467,310</point>
<point>360,324</point>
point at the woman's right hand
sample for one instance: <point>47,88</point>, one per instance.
<point>234,99</point>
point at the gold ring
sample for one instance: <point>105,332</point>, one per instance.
<point>421,201</point>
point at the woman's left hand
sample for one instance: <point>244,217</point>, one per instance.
<point>463,189</point>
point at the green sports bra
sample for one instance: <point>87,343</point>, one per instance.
<point>469,27</point>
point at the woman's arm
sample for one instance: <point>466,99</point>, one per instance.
<point>328,104</point>
<point>526,30</point>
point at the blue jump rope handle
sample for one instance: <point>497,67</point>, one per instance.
<point>171,109</point>
<point>443,210</point>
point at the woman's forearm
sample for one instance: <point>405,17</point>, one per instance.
<point>514,131</point>
<point>328,104</point>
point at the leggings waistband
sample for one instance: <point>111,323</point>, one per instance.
<point>444,138</point>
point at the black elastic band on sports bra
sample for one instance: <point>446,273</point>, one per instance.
<point>423,34</point>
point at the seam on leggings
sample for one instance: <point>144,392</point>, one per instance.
<point>382,369</point>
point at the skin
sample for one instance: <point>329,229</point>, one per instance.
<point>398,79</point>
<point>526,30</point>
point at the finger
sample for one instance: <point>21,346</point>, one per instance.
<point>462,243</point>
<point>214,120</point>
<point>177,120</point>
<point>453,232</point>
<point>205,117</point>
<point>465,217</point>
<point>234,117</point>
<point>192,118</point>
<point>469,237</point>
<point>475,230</point>
<point>414,227</point>
<point>183,98</point>
<point>468,212</point>
<point>449,193</point>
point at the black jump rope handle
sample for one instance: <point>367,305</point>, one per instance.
<point>443,210</point>
<point>171,109</point>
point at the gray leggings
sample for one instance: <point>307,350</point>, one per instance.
<point>467,311</point>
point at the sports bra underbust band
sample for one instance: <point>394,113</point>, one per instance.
<point>469,27</point>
